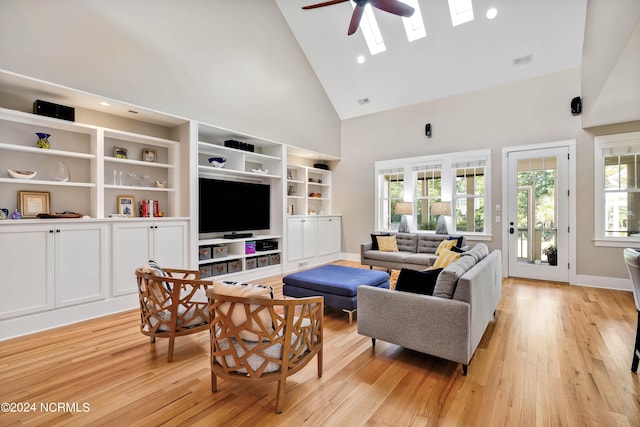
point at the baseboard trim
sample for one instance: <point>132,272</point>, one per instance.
<point>612,283</point>
<point>36,322</point>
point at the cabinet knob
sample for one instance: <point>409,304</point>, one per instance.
<point>50,231</point>
<point>58,230</point>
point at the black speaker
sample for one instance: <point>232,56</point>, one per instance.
<point>576,106</point>
<point>427,130</point>
<point>49,109</point>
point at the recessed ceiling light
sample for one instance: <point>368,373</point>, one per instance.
<point>361,59</point>
<point>492,13</point>
<point>104,103</point>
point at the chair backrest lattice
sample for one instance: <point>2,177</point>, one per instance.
<point>262,339</point>
<point>172,305</point>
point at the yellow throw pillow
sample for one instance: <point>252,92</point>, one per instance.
<point>393,279</point>
<point>387,243</point>
<point>445,258</point>
<point>445,245</point>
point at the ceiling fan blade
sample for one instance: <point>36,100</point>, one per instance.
<point>355,19</point>
<point>326,3</point>
<point>393,6</point>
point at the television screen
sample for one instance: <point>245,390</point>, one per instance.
<point>233,206</point>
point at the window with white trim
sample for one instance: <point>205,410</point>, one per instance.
<point>468,199</point>
<point>460,178</point>
<point>428,189</point>
<point>390,191</point>
<point>617,186</point>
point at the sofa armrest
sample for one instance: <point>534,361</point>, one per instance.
<point>424,323</point>
<point>363,248</point>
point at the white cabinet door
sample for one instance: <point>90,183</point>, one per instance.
<point>169,244</point>
<point>131,243</point>
<point>301,238</point>
<point>329,235</point>
<point>309,229</point>
<point>80,267</point>
<point>135,243</point>
<point>27,269</point>
<point>295,239</point>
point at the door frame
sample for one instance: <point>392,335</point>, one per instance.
<point>571,147</point>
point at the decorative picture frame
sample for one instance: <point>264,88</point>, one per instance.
<point>126,206</point>
<point>32,203</point>
<point>119,153</point>
<point>149,155</point>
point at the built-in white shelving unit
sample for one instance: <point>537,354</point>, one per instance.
<point>221,257</point>
<point>308,190</point>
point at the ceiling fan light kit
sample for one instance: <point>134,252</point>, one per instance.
<point>394,7</point>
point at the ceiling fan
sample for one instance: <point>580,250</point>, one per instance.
<point>392,6</point>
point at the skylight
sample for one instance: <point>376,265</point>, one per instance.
<point>461,11</point>
<point>370,30</point>
<point>414,26</point>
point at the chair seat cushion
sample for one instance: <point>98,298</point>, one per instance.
<point>253,353</point>
<point>183,312</point>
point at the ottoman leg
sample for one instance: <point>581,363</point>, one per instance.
<point>350,313</point>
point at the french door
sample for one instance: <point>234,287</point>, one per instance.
<point>538,213</point>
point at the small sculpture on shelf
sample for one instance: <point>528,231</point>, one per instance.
<point>43,140</point>
<point>62,173</point>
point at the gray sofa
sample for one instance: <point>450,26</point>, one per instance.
<point>415,251</point>
<point>450,328</point>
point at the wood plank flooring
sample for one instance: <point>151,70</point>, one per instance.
<point>556,355</point>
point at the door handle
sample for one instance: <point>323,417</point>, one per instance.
<point>511,230</point>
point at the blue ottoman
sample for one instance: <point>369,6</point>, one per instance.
<point>336,283</point>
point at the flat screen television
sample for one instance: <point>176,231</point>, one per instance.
<point>233,206</point>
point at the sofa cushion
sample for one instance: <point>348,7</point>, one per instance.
<point>388,243</point>
<point>374,240</point>
<point>417,282</point>
<point>478,252</point>
<point>445,245</point>
<point>428,243</point>
<point>407,242</point>
<point>387,256</point>
<point>448,277</point>
<point>445,258</point>
<point>420,259</point>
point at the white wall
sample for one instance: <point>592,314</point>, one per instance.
<point>530,111</point>
<point>233,64</point>
<point>611,62</point>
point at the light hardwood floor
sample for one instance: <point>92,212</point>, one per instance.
<point>556,355</point>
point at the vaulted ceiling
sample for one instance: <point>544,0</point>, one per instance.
<point>525,40</point>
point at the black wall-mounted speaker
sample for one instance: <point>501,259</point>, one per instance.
<point>49,109</point>
<point>427,130</point>
<point>576,106</point>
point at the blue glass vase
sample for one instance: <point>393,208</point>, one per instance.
<point>43,140</point>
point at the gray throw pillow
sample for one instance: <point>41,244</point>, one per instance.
<point>478,252</point>
<point>448,278</point>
